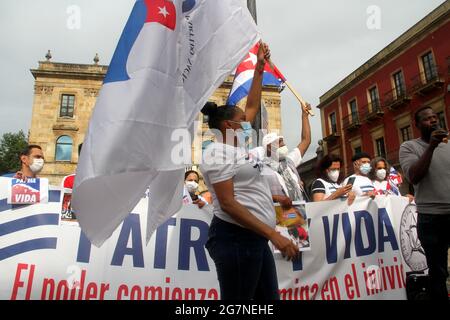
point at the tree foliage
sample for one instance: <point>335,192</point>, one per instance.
<point>11,144</point>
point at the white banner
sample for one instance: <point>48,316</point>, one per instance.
<point>356,253</point>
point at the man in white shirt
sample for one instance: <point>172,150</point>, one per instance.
<point>362,185</point>
<point>281,165</point>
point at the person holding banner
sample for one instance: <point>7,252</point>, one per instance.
<point>328,184</point>
<point>244,217</point>
<point>380,177</point>
<point>32,162</point>
<point>362,185</point>
<point>282,175</point>
<point>191,180</point>
<point>426,164</point>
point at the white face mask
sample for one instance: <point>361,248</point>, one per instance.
<point>37,165</point>
<point>282,152</point>
<point>191,186</point>
<point>381,174</point>
<point>333,175</point>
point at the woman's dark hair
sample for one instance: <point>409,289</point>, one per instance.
<point>325,163</point>
<point>218,114</point>
<point>187,173</point>
<point>373,164</point>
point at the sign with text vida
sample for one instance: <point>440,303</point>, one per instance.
<point>356,253</point>
<point>27,192</point>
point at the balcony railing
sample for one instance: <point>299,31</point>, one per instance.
<point>351,122</point>
<point>397,98</point>
<point>373,111</point>
<point>332,137</point>
<point>427,81</point>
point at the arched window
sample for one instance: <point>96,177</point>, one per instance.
<point>64,148</point>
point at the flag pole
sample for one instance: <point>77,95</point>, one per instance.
<point>299,98</point>
<point>295,93</point>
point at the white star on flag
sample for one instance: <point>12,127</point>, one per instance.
<point>252,58</point>
<point>163,11</point>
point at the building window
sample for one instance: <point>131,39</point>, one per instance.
<point>381,150</point>
<point>357,150</point>
<point>441,117</point>
<point>406,133</point>
<point>333,124</point>
<point>399,84</point>
<point>64,148</point>
<point>354,110</point>
<point>429,67</point>
<point>374,98</point>
<point>67,105</point>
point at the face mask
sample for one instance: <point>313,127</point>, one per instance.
<point>191,186</point>
<point>282,153</point>
<point>381,174</point>
<point>365,168</point>
<point>333,175</point>
<point>37,165</point>
<point>244,134</point>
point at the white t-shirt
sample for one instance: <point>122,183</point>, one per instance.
<point>380,186</point>
<point>323,186</point>
<point>386,187</point>
<point>274,179</point>
<point>222,162</point>
<point>361,185</point>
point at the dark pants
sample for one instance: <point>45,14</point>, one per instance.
<point>244,262</point>
<point>434,235</point>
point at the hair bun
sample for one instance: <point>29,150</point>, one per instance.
<point>210,108</point>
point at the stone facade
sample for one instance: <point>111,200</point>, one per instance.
<point>53,80</point>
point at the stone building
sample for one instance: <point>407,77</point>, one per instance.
<point>64,96</point>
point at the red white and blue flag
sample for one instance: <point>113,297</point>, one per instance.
<point>395,177</point>
<point>244,77</point>
<point>171,57</point>
<point>394,181</point>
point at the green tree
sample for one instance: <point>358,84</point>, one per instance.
<point>11,144</point>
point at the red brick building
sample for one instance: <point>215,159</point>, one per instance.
<point>372,109</point>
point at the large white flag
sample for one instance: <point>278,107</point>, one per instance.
<point>171,57</point>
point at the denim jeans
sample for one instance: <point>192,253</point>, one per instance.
<point>434,234</point>
<point>244,262</point>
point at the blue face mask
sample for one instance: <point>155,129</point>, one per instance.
<point>365,168</point>
<point>245,134</point>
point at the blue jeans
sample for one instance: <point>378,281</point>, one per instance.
<point>434,234</point>
<point>244,262</point>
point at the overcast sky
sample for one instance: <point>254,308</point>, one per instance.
<point>314,43</point>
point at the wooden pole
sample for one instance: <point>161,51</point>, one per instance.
<point>299,98</point>
<point>296,94</point>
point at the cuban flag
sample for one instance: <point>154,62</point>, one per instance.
<point>395,177</point>
<point>244,77</point>
<point>171,57</point>
<point>394,181</point>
